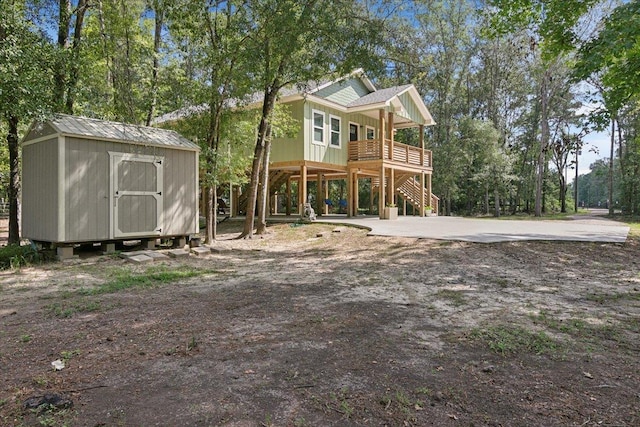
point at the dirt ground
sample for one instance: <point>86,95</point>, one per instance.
<point>337,330</point>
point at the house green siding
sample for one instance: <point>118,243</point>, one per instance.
<point>302,147</point>
<point>344,92</point>
<point>325,153</point>
<point>411,110</point>
<point>290,148</point>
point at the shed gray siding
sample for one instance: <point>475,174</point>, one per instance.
<point>181,193</point>
<point>87,185</point>
<point>40,190</point>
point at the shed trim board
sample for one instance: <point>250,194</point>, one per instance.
<point>62,202</point>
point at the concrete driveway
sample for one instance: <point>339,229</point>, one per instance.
<point>591,228</point>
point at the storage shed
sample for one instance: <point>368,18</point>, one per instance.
<point>87,181</point>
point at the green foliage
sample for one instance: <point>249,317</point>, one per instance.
<point>25,58</point>
<point>614,54</point>
<point>508,340</point>
<point>126,279</point>
<point>16,256</point>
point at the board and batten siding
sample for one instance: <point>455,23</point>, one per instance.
<point>411,109</point>
<point>325,153</point>
<point>180,193</point>
<point>86,183</point>
<point>87,177</point>
<point>288,149</point>
<point>344,92</point>
<point>40,190</point>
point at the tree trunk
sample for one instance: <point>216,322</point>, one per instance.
<point>60,82</point>
<point>486,199</point>
<point>544,140</point>
<point>563,191</point>
<point>613,143</point>
<point>157,39</point>
<point>209,210</point>
<point>14,179</point>
<point>496,202</point>
<point>74,62</point>
<point>267,108</point>
<point>264,188</point>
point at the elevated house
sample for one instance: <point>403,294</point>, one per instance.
<point>347,131</point>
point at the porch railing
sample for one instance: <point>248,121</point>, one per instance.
<point>370,150</point>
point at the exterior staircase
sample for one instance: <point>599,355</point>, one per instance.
<point>409,189</point>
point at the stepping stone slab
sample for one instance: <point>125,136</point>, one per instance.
<point>157,256</point>
<point>178,253</point>
<point>132,253</point>
<point>200,250</point>
<point>140,259</point>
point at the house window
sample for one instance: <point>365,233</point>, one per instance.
<point>353,132</point>
<point>318,127</point>
<point>334,131</point>
<point>371,133</point>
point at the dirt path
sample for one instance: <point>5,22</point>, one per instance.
<point>342,329</point>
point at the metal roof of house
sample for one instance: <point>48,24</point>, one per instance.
<point>116,131</point>
<point>380,95</point>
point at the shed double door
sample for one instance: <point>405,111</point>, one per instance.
<point>136,182</point>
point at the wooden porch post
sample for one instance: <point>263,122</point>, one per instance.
<point>370,195</point>
<point>390,135</point>
<point>349,193</point>
<point>288,208</point>
<point>319,192</point>
<point>428,175</point>
<point>391,189</point>
<point>422,145</point>
<point>236,201</point>
<point>302,189</point>
<point>423,200</point>
<point>326,196</point>
<point>356,195</point>
<point>382,133</point>
<point>381,198</point>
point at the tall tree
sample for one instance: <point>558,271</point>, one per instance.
<point>217,31</point>
<point>69,38</point>
<point>294,42</point>
<point>434,50</point>
<point>25,82</point>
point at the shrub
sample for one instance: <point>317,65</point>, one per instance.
<point>16,256</point>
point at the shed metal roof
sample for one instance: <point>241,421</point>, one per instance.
<point>116,131</point>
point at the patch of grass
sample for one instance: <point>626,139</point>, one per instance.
<point>152,277</point>
<point>68,355</point>
<point>581,329</point>
<point>507,340</point>
<point>602,298</point>
<point>25,338</point>
<point>456,298</point>
<point>340,399</point>
<point>16,256</point>
<point>68,309</point>
<point>54,417</point>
